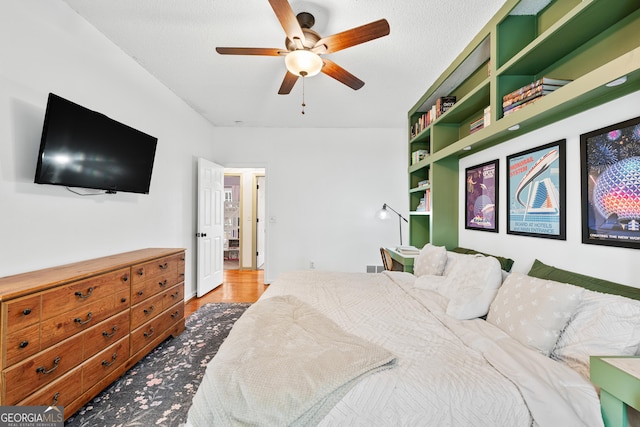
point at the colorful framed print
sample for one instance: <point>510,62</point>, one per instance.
<point>536,192</point>
<point>481,197</point>
<point>610,178</point>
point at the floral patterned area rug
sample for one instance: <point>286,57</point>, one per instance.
<point>158,390</point>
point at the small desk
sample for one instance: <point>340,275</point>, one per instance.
<point>406,261</point>
<point>619,380</point>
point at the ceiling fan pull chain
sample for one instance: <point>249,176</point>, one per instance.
<point>303,73</point>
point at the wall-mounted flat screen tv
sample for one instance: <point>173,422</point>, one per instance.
<point>83,148</point>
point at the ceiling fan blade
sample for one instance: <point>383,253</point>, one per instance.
<point>290,79</point>
<point>355,36</point>
<point>337,72</point>
<point>264,51</point>
<point>287,19</point>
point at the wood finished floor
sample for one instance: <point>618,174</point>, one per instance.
<point>237,286</point>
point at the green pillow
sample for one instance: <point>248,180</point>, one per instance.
<point>543,271</point>
<point>505,263</point>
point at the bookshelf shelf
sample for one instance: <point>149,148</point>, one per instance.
<point>590,42</point>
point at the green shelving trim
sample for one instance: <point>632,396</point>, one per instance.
<point>592,41</point>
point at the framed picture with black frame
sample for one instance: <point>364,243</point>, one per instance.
<point>536,199</point>
<point>610,184</point>
<point>481,197</point>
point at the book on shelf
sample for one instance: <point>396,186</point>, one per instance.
<point>518,107</point>
<point>423,183</point>
<point>418,155</point>
<point>529,94</point>
<point>424,205</point>
<point>444,103</point>
<point>487,116</point>
<point>546,82</point>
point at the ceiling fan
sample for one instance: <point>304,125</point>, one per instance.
<point>304,47</point>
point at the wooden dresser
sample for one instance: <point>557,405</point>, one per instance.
<point>67,332</point>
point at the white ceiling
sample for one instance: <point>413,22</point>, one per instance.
<point>175,41</point>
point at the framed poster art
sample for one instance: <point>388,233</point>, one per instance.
<point>481,197</point>
<point>536,192</point>
<point>610,178</point>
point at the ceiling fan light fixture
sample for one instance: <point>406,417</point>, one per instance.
<point>303,62</point>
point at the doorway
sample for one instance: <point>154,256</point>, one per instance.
<point>244,218</point>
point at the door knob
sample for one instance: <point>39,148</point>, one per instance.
<point>201,234</point>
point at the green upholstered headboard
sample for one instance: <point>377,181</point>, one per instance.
<point>543,271</point>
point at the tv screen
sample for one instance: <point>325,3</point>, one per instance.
<point>83,148</point>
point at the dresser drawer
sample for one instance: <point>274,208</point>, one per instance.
<point>21,312</point>
<point>22,344</point>
<point>60,392</point>
<point>64,325</point>
<point>106,333</point>
<point>151,330</point>
<point>84,292</point>
<point>157,267</point>
<point>145,311</point>
<point>173,296</point>
<point>103,363</point>
<point>153,286</point>
<point>25,377</point>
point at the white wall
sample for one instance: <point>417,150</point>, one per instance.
<point>323,185</point>
<point>45,47</point>
<point>612,263</point>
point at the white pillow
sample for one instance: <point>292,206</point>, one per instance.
<point>534,311</point>
<point>473,282</point>
<point>603,325</point>
<point>431,260</point>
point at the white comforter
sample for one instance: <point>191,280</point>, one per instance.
<point>448,372</point>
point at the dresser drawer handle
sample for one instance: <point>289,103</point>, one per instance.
<point>26,311</point>
<point>148,310</point>
<point>54,401</point>
<point>79,294</point>
<point>125,278</point>
<point>175,294</point>
<point>24,343</point>
<point>163,283</point>
<point>113,360</point>
<point>141,272</point>
<point>140,293</point>
<point>176,314</point>
<point>148,334</point>
<point>164,266</point>
<point>109,335</point>
<point>81,322</point>
<point>45,371</point>
<point>123,299</point>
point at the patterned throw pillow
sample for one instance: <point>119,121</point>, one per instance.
<point>604,324</point>
<point>534,311</point>
<point>474,282</point>
<point>431,260</point>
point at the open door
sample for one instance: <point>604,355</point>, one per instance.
<point>210,230</point>
<point>260,221</point>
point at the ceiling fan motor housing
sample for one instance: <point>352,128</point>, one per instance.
<point>306,21</point>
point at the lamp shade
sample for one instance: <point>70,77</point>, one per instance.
<point>303,63</point>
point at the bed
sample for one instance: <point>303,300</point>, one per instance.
<point>461,342</point>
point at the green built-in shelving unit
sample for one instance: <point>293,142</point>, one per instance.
<point>590,42</point>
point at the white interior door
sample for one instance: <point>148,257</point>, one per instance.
<point>261,221</point>
<point>210,230</point>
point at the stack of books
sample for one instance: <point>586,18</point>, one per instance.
<point>442,104</point>
<point>482,122</point>
<point>530,93</point>
<point>423,183</point>
<point>425,202</point>
<point>408,250</point>
<point>418,155</point>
